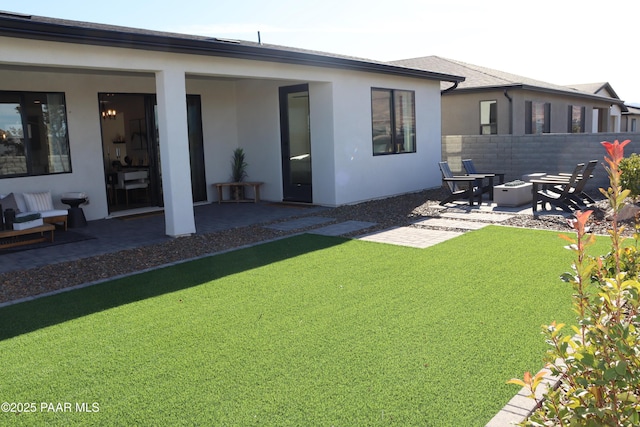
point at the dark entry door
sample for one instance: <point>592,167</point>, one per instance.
<point>196,148</point>
<point>296,143</point>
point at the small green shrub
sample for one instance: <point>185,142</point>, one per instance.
<point>598,361</point>
<point>630,178</point>
<point>238,165</point>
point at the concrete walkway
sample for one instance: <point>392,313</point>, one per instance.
<point>431,231</point>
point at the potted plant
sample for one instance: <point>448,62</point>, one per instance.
<point>238,172</point>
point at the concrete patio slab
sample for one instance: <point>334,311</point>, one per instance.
<point>410,236</point>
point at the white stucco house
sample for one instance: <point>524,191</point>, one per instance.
<point>82,102</point>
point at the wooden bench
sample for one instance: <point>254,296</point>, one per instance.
<point>256,190</point>
<point>11,238</point>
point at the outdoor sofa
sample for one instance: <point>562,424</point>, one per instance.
<point>29,203</point>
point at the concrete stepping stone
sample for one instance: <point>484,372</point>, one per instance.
<point>299,223</point>
<point>410,236</point>
<point>452,223</point>
<point>342,228</point>
<point>477,216</point>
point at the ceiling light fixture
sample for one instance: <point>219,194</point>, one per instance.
<point>109,114</point>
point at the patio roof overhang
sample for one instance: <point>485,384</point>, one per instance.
<point>65,31</point>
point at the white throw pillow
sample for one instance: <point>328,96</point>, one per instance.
<point>22,206</point>
<point>38,202</point>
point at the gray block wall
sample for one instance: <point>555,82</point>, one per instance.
<point>519,155</point>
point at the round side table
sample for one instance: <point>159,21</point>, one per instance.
<point>75,216</point>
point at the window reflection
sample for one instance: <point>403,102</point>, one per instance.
<point>393,121</point>
<point>33,134</point>
<point>488,117</point>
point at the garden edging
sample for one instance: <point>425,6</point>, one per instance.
<point>521,405</point>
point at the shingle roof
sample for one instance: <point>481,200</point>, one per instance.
<point>595,88</point>
<point>44,28</point>
<point>478,77</point>
<point>589,87</point>
<point>631,109</point>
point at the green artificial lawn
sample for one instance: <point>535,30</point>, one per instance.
<point>304,331</point>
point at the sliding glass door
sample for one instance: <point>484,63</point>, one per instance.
<point>130,140</point>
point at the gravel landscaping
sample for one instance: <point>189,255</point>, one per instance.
<point>386,213</point>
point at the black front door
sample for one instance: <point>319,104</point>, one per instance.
<point>296,143</point>
<point>196,148</point>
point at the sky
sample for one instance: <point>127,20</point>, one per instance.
<point>557,41</point>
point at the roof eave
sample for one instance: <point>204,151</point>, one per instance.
<point>539,89</point>
<point>46,31</point>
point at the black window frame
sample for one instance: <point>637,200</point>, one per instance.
<point>396,143</point>
<point>492,125</point>
<point>574,127</point>
<point>529,122</point>
<point>32,133</point>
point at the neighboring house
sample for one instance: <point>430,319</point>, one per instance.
<point>80,101</point>
<point>605,90</point>
<point>491,102</point>
<point>630,119</point>
<point>623,118</point>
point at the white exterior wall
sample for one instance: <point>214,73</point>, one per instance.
<point>240,108</point>
<point>615,114</point>
<point>360,175</point>
<point>324,145</point>
<point>259,135</point>
<point>219,127</point>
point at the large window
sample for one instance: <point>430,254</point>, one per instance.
<point>33,134</point>
<point>576,119</point>
<point>394,121</point>
<point>537,117</point>
<point>488,117</point>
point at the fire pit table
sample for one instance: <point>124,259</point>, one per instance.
<point>512,194</point>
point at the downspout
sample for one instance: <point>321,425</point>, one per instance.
<point>449,89</point>
<point>506,94</point>
<point>442,92</point>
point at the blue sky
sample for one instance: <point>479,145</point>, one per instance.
<point>558,41</point>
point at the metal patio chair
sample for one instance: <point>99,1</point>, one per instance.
<point>471,190</point>
<point>556,191</point>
